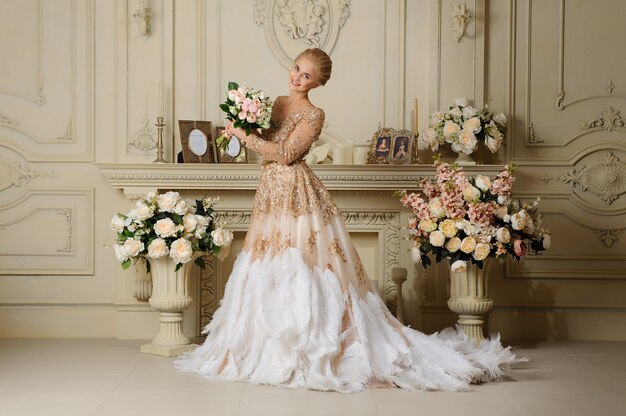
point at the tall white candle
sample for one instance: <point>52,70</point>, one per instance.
<point>339,155</point>
<point>360,155</point>
<point>161,102</point>
<point>416,116</point>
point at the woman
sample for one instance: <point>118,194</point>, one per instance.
<point>298,309</point>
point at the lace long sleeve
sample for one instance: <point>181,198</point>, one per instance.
<point>306,131</point>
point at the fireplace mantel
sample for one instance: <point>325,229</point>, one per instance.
<point>246,176</point>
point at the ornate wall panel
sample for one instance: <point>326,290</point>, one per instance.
<point>48,232</point>
<point>46,79</point>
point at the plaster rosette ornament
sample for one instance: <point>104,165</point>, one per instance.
<point>293,25</point>
<point>606,178</point>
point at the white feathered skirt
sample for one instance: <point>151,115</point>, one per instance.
<point>298,311</point>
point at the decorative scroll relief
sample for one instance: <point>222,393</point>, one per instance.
<point>143,138</point>
<point>291,25</point>
<point>460,17</point>
<point>610,119</point>
<point>16,173</point>
<point>608,237</point>
<point>59,233</point>
<point>386,223</point>
<point>605,178</point>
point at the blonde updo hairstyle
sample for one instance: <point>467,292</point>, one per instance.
<point>321,61</point>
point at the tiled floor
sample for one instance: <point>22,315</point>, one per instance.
<point>110,377</point>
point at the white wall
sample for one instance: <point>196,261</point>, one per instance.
<point>78,83</point>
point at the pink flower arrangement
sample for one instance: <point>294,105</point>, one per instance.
<point>471,219</point>
<point>248,108</point>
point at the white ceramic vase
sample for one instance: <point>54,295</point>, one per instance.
<point>468,298</point>
<point>170,296</point>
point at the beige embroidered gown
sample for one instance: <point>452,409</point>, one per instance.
<point>298,309</point>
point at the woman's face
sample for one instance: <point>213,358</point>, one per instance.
<point>302,76</point>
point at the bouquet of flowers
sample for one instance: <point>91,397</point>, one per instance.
<point>248,108</point>
<point>165,225</point>
<point>470,219</point>
<point>463,126</point>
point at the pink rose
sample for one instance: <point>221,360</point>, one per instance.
<point>242,115</point>
<point>246,104</point>
<point>519,247</point>
<point>251,118</point>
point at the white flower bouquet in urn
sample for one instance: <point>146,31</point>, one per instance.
<point>162,225</point>
<point>468,220</point>
<point>463,127</point>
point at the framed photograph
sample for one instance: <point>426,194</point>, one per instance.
<point>196,141</point>
<point>380,146</point>
<point>236,151</point>
<point>402,143</point>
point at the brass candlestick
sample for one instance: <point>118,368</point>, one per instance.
<point>159,124</point>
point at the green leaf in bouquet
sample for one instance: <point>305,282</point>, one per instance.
<point>148,269</point>
<point>426,261</point>
<point>126,264</point>
<point>178,266</point>
<point>232,85</point>
<point>224,107</point>
<point>178,220</point>
<point>199,261</point>
<point>216,249</point>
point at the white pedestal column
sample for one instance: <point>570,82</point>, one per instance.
<point>170,296</point>
<point>468,298</point>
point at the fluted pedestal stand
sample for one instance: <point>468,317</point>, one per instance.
<point>170,296</point>
<point>468,298</point>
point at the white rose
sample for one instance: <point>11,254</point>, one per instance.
<point>224,252</point>
<point>473,125</point>
<point>448,228</point>
<point>471,194</point>
<point>189,222</point>
<point>506,218</point>
<point>481,252</point>
<point>427,225</point>
<point>461,102</point>
<point>467,142</point>
<point>437,238</point>
<point>500,118</point>
<point>221,237</point>
<point>483,183</point>
<point>458,266</point>
<point>460,223</point>
<point>547,241</point>
<point>503,235</point>
<point>453,245</point>
<point>203,223</point>
<point>181,251</point>
<point>435,118</point>
<point>456,112</point>
<point>468,245</point>
<point>158,248</point>
<point>416,254</point>
<point>165,228</point>
<point>471,229</point>
<point>141,212</point>
<point>181,207</point>
<point>133,247</point>
<point>492,144</point>
<point>121,254</point>
<point>117,223</point>
<point>519,220</point>
<point>451,129</point>
<point>429,138</point>
<point>529,228</point>
<point>167,201</point>
<point>436,208</point>
<point>502,200</point>
<point>469,112</point>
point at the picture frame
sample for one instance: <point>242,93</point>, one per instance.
<point>236,152</point>
<point>380,146</point>
<point>402,144</point>
<point>196,141</point>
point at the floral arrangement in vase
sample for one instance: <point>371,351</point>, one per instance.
<point>467,219</point>
<point>462,127</point>
<point>248,108</point>
<point>162,225</point>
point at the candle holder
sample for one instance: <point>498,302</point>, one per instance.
<point>159,124</point>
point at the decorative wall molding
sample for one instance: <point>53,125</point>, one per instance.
<point>66,213</point>
<point>16,173</point>
<point>308,23</point>
<point>610,119</point>
<point>144,16</point>
<point>608,237</point>
<point>8,122</point>
<point>460,17</point>
<point>605,178</point>
<point>532,137</point>
<point>143,138</point>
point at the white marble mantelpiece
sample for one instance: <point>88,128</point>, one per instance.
<point>246,176</point>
